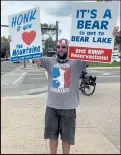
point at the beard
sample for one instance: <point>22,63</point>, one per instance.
<point>62,59</point>
<point>63,56</point>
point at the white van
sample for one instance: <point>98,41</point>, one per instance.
<point>115,58</point>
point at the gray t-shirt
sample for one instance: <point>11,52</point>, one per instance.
<point>63,82</point>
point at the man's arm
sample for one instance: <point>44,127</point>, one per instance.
<point>43,62</point>
<point>83,65</point>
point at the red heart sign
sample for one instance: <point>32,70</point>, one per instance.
<point>28,37</point>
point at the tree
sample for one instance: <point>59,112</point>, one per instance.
<point>48,35</point>
<point>5,47</point>
<point>49,32</point>
<point>50,44</point>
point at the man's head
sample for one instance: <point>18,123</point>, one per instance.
<point>62,47</point>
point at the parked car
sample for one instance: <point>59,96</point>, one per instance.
<point>115,58</point>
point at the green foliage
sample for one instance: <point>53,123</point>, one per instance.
<point>113,64</point>
<point>4,43</point>
<point>48,31</point>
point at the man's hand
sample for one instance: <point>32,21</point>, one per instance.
<point>9,39</point>
<point>38,61</point>
<point>115,31</point>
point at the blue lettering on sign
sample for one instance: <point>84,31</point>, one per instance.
<point>94,13</point>
<point>26,17</point>
<point>19,52</point>
<point>14,52</point>
<point>24,51</point>
<point>23,18</point>
<point>94,39</point>
<point>19,20</point>
<point>78,13</point>
<point>38,49</point>
<point>92,24</point>
<point>19,46</point>
<point>26,57</point>
<point>102,40</point>
<point>83,12</point>
<point>79,39</point>
<point>27,26</point>
<point>88,24</point>
<point>107,14</point>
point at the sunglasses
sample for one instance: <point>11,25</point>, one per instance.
<point>62,47</point>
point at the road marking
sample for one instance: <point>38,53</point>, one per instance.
<point>17,80</point>
<point>88,70</point>
<point>43,95</point>
<point>34,78</point>
<point>38,74</point>
<point>109,76</point>
<point>7,69</point>
<point>35,90</point>
<point>46,74</point>
<point>105,74</point>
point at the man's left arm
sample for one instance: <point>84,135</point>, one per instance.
<point>83,65</point>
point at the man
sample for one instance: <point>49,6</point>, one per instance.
<point>63,97</point>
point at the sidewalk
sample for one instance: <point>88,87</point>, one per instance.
<point>97,128</point>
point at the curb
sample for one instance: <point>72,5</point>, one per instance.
<point>29,92</point>
<point>103,68</point>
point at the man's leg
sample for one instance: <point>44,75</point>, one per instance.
<point>65,147</point>
<point>67,129</point>
<point>53,146</point>
<point>52,129</point>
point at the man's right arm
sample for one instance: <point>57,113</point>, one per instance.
<point>43,62</point>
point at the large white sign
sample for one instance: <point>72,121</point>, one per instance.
<point>25,32</point>
<point>92,31</point>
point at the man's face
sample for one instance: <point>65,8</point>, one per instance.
<point>62,49</point>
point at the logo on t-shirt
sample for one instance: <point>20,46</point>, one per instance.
<point>61,78</point>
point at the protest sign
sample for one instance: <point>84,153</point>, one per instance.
<point>92,31</point>
<point>25,32</point>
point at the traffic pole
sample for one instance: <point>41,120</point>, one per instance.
<point>56,31</point>
<point>24,64</point>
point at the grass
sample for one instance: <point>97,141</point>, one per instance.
<point>113,64</point>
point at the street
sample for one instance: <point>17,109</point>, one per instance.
<point>7,66</point>
<point>33,80</point>
<point>106,75</point>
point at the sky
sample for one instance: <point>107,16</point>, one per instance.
<point>50,12</point>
